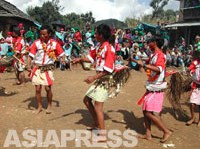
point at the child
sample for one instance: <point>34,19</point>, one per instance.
<point>195,96</point>
<point>119,60</point>
<point>19,64</point>
<point>68,52</point>
<point>104,57</point>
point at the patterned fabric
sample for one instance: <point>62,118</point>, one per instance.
<point>195,96</point>
<point>97,93</point>
<point>195,71</point>
<point>20,48</point>
<point>19,45</point>
<point>38,77</point>
<point>158,59</point>
<point>41,57</point>
<point>19,66</point>
<point>104,56</point>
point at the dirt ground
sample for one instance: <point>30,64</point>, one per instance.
<point>69,113</point>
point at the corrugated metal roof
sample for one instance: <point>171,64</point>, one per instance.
<point>182,24</point>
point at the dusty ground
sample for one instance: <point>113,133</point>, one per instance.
<point>121,113</point>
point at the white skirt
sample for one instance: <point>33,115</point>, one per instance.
<point>195,96</point>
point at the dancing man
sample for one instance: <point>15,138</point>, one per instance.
<point>44,51</point>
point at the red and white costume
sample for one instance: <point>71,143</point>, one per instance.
<point>19,45</point>
<point>155,80</point>
<point>195,73</point>
<point>20,48</point>
<point>153,99</point>
<point>104,57</point>
<point>42,57</point>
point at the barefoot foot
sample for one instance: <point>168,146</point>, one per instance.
<point>48,110</point>
<point>198,124</point>
<point>166,136</point>
<point>100,138</point>
<point>188,123</point>
<point>40,109</point>
<point>92,128</point>
<point>147,137</point>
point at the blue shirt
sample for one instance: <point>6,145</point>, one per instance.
<point>4,48</point>
<point>68,50</point>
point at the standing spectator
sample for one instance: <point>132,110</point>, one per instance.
<point>3,46</point>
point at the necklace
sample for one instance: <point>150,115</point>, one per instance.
<point>49,50</point>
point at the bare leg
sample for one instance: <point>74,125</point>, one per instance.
<point>160,125</point>
<point>192,120</point>
<point>147,122</point>
<point>100,114</point>
<point>17,77</point>
<point>100,118</point>
<point>38,89</point>
<point>22,77</point>
<point>88,102</point>
<point>49,98</point>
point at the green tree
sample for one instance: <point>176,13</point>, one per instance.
<point>76,20</point>
<point>46,14</point>
<point>158,6</point>
<point>131,22</point>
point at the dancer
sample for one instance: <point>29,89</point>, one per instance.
<point>104,57</point>
<point>19,49</point>
<point>44,51</point>
<point>153,99</point>
<point>195,96</point>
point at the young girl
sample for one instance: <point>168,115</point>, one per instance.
<point>104,58</point>
<point>195,96</point>
<point>19,64</point>
<point>155,86</point>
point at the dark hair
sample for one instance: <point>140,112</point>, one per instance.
<point>112,40</point>
<point>104,30</point>
<point>196,55</point>
<point>17,31</point>
<point>159,41</point>
<point>48,28</point>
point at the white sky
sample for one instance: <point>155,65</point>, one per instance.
<point>101,9</point>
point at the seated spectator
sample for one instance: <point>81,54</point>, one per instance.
<point>119,60</point>
<point>3,46</point>
<point>142,55</point>
<point>132,61</point>
<point>125,50</point>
